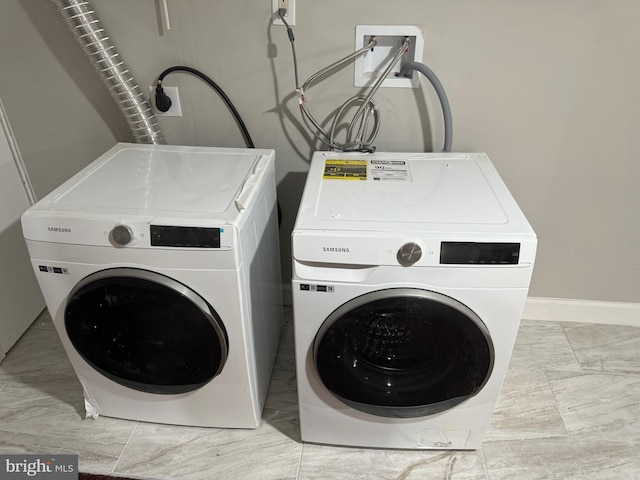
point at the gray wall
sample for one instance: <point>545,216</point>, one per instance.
<point>548,88</point>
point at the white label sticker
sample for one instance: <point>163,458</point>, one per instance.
<point>395,170</point>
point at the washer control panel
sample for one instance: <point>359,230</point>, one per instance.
<point>479,253</point>
<point>423,252</point>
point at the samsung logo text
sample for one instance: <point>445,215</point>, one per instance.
<point>336,249</point>
<point>59,229</point>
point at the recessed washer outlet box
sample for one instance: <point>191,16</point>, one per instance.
<point>370,66</point>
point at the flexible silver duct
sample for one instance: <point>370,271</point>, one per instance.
<point>96,44</point>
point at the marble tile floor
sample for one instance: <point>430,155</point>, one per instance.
<point>569,409</point>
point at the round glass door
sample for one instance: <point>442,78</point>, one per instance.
<point>403,353</point>
<point>146,331</point>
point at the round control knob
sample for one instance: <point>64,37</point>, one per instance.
<point>409,254</point>
<point>121,235</point>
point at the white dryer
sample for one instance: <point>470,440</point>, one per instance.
<point>410,275</point>
<point>160,268</point>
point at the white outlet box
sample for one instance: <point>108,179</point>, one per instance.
<point>370,66</point>
<point>172,92</point>
<point>290,17</point>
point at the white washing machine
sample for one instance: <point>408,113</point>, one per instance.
<point>410,275</point>
<point>160,268</point>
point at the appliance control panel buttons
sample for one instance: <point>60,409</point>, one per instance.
<point>121,235</point>
<point>409,254</point>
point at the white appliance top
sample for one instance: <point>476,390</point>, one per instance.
<point>400,192</point>
<point>375,209</point>
<point>159,181</point>
<point>139,185</point>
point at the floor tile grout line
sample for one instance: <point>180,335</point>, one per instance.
<point>300,461</point>
<point>115,465</point>
<point>484,462</point>
<point>573,350</point>
<point>557,405</point>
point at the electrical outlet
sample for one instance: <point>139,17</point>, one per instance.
<point>370,66</point>
<point>172,93</point>
<point>289,6</point>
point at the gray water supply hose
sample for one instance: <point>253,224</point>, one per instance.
<point>96,44</point>
<point>446,109</point>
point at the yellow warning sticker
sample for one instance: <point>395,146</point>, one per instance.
<point>336,169</point>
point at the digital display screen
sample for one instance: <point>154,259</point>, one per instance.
<point>479,253</point>
<point>185,237</point>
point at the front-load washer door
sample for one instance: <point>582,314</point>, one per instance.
<point>403,353</point>
<point>146,331</point>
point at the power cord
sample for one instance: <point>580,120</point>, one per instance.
<point>163,102</point>
<point>281,13</point>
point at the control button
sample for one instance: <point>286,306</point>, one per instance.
<point>121,235</point>
<point>409,254</point>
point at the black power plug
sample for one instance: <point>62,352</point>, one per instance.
<point>163,102</point>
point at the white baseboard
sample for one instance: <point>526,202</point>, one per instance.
<point>585,311</point>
